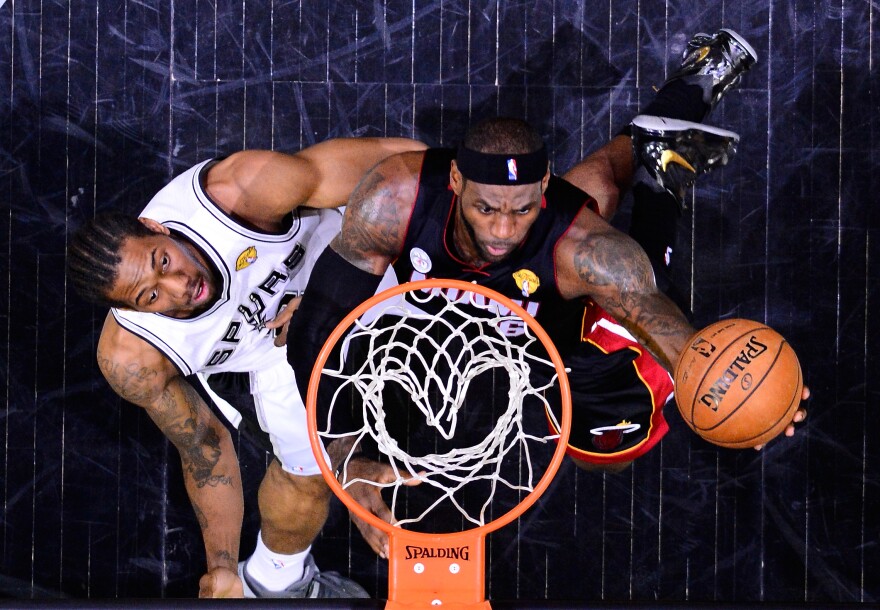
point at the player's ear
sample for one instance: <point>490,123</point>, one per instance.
<point>155,227</point>
<point>456,181</point>
<point>546,179</point>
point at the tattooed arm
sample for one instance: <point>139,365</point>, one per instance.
<point>142,375</point>
<point>378,213</point>
<point>599,261</point>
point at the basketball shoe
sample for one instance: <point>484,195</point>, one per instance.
<point>673,153</point>
<point>314,584</point>
<point>715,63</point>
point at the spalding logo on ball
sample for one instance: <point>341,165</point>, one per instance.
<point>738,383</point>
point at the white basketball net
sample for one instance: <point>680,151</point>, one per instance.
<point>465,347</point>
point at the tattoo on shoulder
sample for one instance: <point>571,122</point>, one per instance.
<point>375,222</point>
<point>133,382</point>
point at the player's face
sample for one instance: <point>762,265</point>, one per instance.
<point>493,220</point>
<point>161,274</point>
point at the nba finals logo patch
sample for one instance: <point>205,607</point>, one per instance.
<point>246,258</point>
<point>607,438</point>
<point>420,260</point>
<point>526,281</point>
<point>512,172</point>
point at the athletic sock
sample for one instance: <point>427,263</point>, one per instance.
<point>275,571</point>
<point>679,100</point>
<point>676,100</point>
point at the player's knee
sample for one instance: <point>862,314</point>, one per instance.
<point>285,488</point>
<point>311,487</point>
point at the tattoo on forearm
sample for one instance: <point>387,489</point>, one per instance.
<point>620,277</point>
<point>199,443</point>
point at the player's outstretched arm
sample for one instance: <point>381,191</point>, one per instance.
<point>599,261</point>
<point>603,263</point>
<point>267,185</point>
<point>143,376</point>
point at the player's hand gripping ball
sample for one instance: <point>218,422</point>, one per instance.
<point>738,383</point>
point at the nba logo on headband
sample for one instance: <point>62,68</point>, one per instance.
<point>503,169</point>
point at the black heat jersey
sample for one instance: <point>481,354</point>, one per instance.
<point>527,276</point>
<point>618,390</point>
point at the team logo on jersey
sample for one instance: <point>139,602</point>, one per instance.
<point>606,438</point>
<point>246,258</point>
<point>512,172</point>
<point>420,260</point>
<point>526,281</point>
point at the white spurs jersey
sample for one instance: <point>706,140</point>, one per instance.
<point>256,272</point>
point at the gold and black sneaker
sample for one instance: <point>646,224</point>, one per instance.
<point>675,152</point>
<point>715,62</point>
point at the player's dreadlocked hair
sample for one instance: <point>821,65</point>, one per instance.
<point>93,254</point>
<point>500,135</point>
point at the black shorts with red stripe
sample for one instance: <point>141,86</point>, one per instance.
<point>618,393</point>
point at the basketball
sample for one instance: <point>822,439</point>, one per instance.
<point>738,383</point>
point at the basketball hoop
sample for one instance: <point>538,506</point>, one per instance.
<point>432,341</point>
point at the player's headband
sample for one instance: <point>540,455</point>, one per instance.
<point>506,169</point>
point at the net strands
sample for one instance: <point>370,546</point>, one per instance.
<point>438,359</point>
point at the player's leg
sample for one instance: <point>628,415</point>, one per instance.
<point>669,154</point>
<point>711,66</point>
<point>293,500</point>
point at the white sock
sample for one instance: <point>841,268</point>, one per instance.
<point>275,571</point>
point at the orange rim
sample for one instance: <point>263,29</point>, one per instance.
<point>343,327</point>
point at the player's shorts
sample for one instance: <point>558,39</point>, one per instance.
<point>268,408</point>
<point>618,393</point>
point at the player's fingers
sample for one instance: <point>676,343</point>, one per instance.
<point>416,480</point>
<point>799,416</point>
<point>284,314</point>
<point>281,337</point>
<point>805,394</point>
<point>376,538</point>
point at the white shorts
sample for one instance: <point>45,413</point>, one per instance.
<point>280,413</point>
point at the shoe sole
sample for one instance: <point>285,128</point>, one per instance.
<point>743,43</point>
<point>657,125</point>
